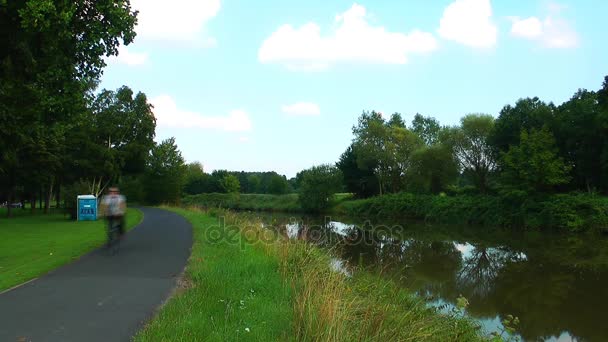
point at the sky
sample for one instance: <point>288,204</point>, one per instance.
<point>278,84</point>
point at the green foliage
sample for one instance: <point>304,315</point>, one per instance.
<point>433,169</point>
<point>278,185</point>
<point>359,180</point>
<point>230,184</point>
<point>533,164</point>
<point>472,149</point>
<point>385,148</point>
<point>70,194</point>
<point>165,173</point>
<point>562,212</point>
<point>258,202</point>
<point>427,128</point>
<point>319,184</point>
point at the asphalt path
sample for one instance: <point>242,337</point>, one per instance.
<point>102,297</point>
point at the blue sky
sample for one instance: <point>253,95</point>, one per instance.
<point>278,85</point>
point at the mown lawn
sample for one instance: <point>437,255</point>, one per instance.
<point>231,292</point>
<point>32,245</point>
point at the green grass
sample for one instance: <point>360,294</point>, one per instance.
<point>32,245</point>
<point>288,292</point>
<point>227,289</point>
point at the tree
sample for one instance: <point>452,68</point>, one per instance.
<point>50,50</point>
<point>318,185</point>
<point>385,148</point>
<point>581,130</point>
<point>359,180</point>
<point>533,164</point>
<point>230,184</point>
<point>472,149</point>
<point>196,180</point>
<point>278,185</point>
<point>527,114</point>
<point>433,168</point>
<point>165,173</point>
<point>396,121</point>
<point>254,182</point>
<point>427,129</point>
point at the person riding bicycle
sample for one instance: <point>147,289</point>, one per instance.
<point>113,207</point>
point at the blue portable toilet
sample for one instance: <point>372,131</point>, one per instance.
<point>87,208</point>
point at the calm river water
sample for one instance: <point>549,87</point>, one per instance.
<point>556,284</point>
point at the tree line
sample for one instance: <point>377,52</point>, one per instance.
<point>532,147</point>
<point>57,133</point>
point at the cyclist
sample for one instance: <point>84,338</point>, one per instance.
<point>113,207</point>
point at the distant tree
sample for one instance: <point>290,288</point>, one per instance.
<point>196,180</point>
<point>427,128</point>
<point>534,164</point>
<point>278,185</point>
<point>472,149</point>
<point>527,114</point>
<point>581,130</point>
<point>433,168</point>
<point>318,186</point>
<point>396,120</point>
<point>359,180</point>
<point>230,184</point>
<point>385,148</point>
<point>165,173</point>
<point>254,184</point>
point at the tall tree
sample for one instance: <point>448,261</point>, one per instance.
<point>472,149</point>
<point>359,180</point>
<point>318,186</point>
<point>534,164</point>
<point>165,173</point>
<point>427,129</point>
<point>527,114</point>
<point>582,134</point>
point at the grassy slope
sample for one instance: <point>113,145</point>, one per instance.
<point>296,296</point>
<point>229,288</point>
<point>31,245</point>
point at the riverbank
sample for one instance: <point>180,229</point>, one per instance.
<point>249,283</point>
<point>34,244</point>
<point>561,212</point>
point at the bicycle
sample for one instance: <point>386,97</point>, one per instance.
<point>113,244</point>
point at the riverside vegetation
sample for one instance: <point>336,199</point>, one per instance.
<point>292,293</point>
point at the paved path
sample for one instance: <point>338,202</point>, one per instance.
<point>102,297</point>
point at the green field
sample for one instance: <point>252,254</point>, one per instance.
<point>32,245</point>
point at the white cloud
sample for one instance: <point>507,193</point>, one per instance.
<point>176,20</point>
<point>353,40</point>
<point>530,28</point>
<point>469,22</point>
<point>129,58</point>
<point>552,32</point>
<point>302,109</point>
<point>244,139</point>
<point>168,115</point>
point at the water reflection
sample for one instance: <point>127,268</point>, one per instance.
<point>556,285</point>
